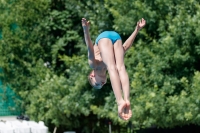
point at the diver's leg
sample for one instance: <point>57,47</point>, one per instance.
<point>119,57</point>
<point>107,52</point>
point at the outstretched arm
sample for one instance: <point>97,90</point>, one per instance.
<point>91,57</point>
<point>128,43</point>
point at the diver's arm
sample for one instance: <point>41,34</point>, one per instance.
<point>128,43</point>
<point>91,57</point>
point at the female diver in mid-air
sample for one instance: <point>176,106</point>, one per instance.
<point>108,54</point>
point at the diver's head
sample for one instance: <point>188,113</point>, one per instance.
<point>96,81</point>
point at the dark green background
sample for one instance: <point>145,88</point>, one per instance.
<point>44,60</point>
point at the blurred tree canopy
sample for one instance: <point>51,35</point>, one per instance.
<point>44,60</point>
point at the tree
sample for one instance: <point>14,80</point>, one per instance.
<point>41,61</point>
<point>164,63</point>
<point>20,48</point>
<point>43,58</point>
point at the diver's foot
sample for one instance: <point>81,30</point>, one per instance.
<point>128,112</point>
<point>121,109</point>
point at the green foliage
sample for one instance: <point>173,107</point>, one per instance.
<point>20,48</point>
<point>163,65</point>
<point>39,64</point>
<point>44,59</point>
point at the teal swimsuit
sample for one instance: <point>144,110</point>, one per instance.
<point>112,35</point>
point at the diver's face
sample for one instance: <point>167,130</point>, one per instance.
<point>97,81</point>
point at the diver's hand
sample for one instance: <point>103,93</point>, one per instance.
<point>85,24</point>
<point>141,24</point>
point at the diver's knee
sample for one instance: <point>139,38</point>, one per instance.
<point>112,67</point>
<point>120,67</point>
